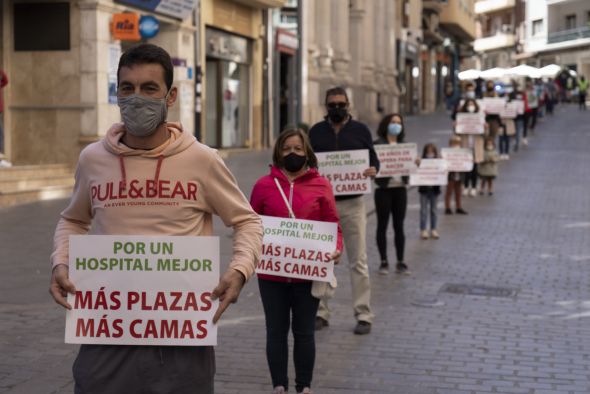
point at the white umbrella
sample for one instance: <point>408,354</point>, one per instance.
<point>524,70</point>
<point>493,73</point>
<point>469,74</point>
<point>550,70</point>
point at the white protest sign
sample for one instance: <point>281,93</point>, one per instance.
<point>510,110</point>
<point>458,159</point>
<point>493,105</point>
<point>139,290</point>
<point>431,172</point>
<point>344,169</point>
<point>470,123</point>
<point>396,159</point>
<point>519,104</point>
<point>296,248</point>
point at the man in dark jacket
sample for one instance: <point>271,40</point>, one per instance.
<point>340,132</point>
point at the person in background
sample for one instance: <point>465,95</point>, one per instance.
<point>338,131</point>
<point>294,171</point>
<point>474,142</point>
<point>551,92</point>
<point>519,122</point>
<point>488,169</point>
<point>493,120</point>
<point>454,184</point>
<point>532,106</point>
<point>428,199</point>
<point>582,92</point>
<point>391,198</point>
<point>3,83</point>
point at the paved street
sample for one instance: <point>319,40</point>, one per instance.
<point>529,244</point>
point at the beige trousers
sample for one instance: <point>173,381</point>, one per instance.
<point>353,220</point>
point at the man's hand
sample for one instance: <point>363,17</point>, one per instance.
<point>336,256</point>
<point>60,285</point>
<point>227,291</point>
<point>371,171</point>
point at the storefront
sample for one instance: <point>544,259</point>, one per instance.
<point>409,76</point>
<point>286,76</point>
<point>227,78</point>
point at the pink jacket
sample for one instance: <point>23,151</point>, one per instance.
<point>310,196</point>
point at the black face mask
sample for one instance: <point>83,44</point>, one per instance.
<point>294,162</point>
<point>337,115</point>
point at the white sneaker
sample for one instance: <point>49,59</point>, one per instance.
<point>424,234</point>
<point>434,234</point>
<point>525,142</point>
<point>279,390</point>
<point>506,157</point>
<point>465,191</point>
<point>472,192</point>
<point>5,164</point>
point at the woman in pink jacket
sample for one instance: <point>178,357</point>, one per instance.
<point>310,196</point>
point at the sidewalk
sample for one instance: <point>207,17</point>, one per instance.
<point>497,305</point>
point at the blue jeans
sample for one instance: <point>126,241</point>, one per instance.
<point>428,200</point>
<point>504,144</point>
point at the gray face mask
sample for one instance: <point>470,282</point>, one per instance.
<point>142,115</point>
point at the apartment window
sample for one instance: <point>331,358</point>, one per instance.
<point>570,21</point>
<point>537,26</point>
<point>51,30</point>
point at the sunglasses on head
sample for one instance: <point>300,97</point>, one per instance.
<point>340,105</point>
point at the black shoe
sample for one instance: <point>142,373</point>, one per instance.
<point>401,268</point>
<point>448,211</point>
<point>320,323</point>
<point>461,211</point>
<point>384,268</point>
<point>490,193</point>
<point>362,328</point>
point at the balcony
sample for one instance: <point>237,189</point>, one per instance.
<point>486,6</point>
<point>497,41</point>
<point>455,19</point>
<point>569,35</point>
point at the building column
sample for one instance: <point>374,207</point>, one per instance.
<point>323,36</point>
<point>390,101</point>
<point>340,41</point>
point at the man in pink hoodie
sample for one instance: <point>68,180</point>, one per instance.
<point>163,182</point>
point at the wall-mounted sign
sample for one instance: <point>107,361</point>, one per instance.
<point>148,26</point>
<point>125,27</point>
<point>179,9</point>
<point>227,46</point>
<point>287,42</point>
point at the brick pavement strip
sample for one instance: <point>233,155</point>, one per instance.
<point>532,235</point>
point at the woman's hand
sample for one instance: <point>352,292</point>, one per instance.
<point>336,256</point>
<point>371,172</point>
<point>418,161</point>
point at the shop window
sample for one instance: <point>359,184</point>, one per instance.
<point>42,27</point>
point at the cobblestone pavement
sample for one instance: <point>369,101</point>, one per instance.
<point>530,242</point>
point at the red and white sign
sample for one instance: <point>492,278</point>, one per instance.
<point>493,105</point>
<point>396,159</point>
<point>296,248</point>
<point>458,159</point>
<point>431,172</point>
<point>469,123</point>
<point>344,169</point>
<point>138,290</point>
<point>287,42</point>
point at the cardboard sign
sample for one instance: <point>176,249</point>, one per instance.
<point>344,169</point>
<point>432,172</point>
<point>468,123</point>
<point>296,248</point>
<point>458,159</point>
<point>138,290</point>
<point>510,111</point>
<point>396,159</point>
<point>493,105</point>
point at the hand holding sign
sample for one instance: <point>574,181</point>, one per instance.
<point>61,285</point>
<point>371,171</point>
<point>229,288</point>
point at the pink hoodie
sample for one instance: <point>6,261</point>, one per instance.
<point>170,190</point>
